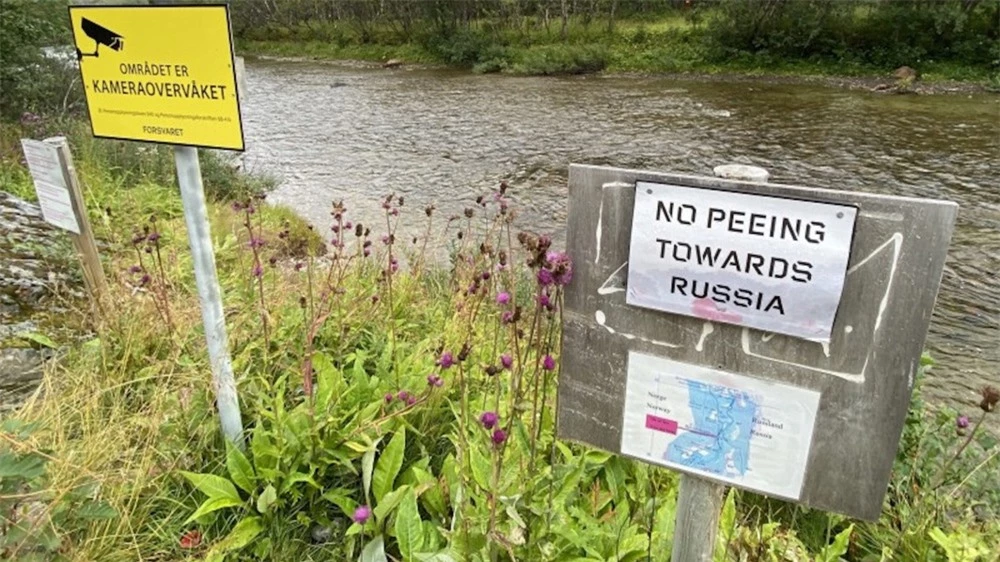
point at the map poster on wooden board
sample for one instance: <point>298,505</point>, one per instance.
<point>765,262</point>
<point>747,432</point>
<point>50,184</point>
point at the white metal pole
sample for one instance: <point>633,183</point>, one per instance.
<point>699,501</point>
<point>199,235</point>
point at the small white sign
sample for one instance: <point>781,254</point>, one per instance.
<point>768,263</point>
<point>50,184</point>
<point>742,431</point>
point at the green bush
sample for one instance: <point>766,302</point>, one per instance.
<point>559,59</point>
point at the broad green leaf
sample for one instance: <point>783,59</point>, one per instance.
<point>409,532</point>
<point>95,510</point>
<point>481,466</point>
<point>374,551</point>
<point>295,478</point>
<point>213,504</point>
<point>327,380</point>
<point>389,502</point>
<point>28,467</point>
<point>40,339</point>
<point>727,525</point>
<point>367,466</point>
<point>389,463</point>
<point>341,497</point>
<point>242,534</point>
<point>267,499</point>
<point>239,469</point>
<point>212,486</point>
<point>442,556</point>
<point>832,552</point>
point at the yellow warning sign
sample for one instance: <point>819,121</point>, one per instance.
<point>159,73</point>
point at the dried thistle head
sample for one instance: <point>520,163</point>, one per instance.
<point>991,396</point>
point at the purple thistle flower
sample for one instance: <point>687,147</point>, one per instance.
<point>348,225</point>
<point>154,237</point>
<point>544,301</point>
<point>485,276</point>
<point>237,206</point>
<point>256,242</point>
<point>335,228</point>
<point>561,266</point>
<point>135,269</point>
<point>367,252</point>
<point>299,265</point>
<point>506,360</point>
<point>138,239</point>
<point>488,419</point>
<point>394,265</point>
<point>503,297</point>
<point>434,379</point>
<point>145,280</point>
<point>403,396</point>
<point>411,400</point>
<point>962,422</point>
<point>507,317</point>
<point>374,299</point>
<point>258,271</point>
<point>548,363</point>
<point>388,397</point>
<point>545,277</point>
<point>385,239</point>
<point>446,360</point>
<point>499,436</point>
<point>362,514</point>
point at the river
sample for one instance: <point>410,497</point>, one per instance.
<point>352,132</point>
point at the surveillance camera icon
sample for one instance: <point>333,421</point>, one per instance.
<point>101,36</point>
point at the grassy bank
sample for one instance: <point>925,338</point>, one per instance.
<point>660,43</point>
<point>390,406</point>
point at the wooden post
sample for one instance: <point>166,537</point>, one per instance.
<point>86,246</point>
<point>699,505</point>
<point>699,501</point>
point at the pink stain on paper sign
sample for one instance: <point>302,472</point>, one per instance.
<point>661,424</point>
<point>706,309</point>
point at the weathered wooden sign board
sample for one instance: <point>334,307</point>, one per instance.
<point>816,422</point>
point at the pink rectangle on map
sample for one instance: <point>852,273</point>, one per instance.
<point>661,424</point>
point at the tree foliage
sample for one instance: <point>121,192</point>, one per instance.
<point>35,75</point>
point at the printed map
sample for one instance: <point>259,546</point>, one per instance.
<point>732,428</point>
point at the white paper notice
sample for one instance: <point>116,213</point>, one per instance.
<point>50,184</point>
<point>742,431</point>
<point>764,262</point>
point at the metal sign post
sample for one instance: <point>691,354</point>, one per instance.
<point>167,74</point>
<point>200,237</point>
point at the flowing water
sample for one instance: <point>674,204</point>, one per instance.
<point>356,133</point>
